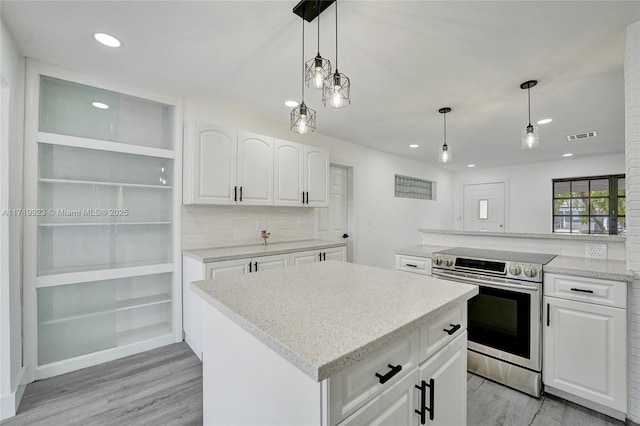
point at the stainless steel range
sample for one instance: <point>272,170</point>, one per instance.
<point>504,319</point>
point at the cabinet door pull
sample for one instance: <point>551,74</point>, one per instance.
<point>395,369</point>
<point>307,197</point>
<point>582,290</point>
<point>411,265</point>
<point>320,257</point>
<point>255,267</point>
<point>423,401</point>
<point>324,256</point>
<point>240,194</point>
<point>235,193</point>
<point>453,329</point>
<point>250,267</point>
<point>302,197</point>
<point>547,315</point>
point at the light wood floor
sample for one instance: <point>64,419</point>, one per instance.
<point>164,387</point>
<point>489,403</point>
<point>159,387</point>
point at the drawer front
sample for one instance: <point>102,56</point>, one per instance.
<point>354,386</point>
<point>417,265</point>
<point>443,330</point>
<point>591,290</point>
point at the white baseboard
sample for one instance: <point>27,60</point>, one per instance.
<point>9,403</point>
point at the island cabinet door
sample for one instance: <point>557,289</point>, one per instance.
<point>443,382</point>
<point>394,406</point>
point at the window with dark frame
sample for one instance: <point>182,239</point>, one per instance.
<point>590,205</point>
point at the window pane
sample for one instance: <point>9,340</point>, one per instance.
<point>580,188</point>
<point>599,206</point>
<point>622,225</point>
<point>599,225</point>
<point>561,189</point>
<point>600,188</point>
<point>622,187</point>
<point>622,206</point>
<point>580,224</point>
<point>561,207</point>
<point>579,207</point>
<point>562,224</point>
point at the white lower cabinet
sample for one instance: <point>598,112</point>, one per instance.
<point>413,264</point>
<point>585,342</point>
<point>312,256</point>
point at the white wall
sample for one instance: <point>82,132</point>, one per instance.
<point>11,157</point>
<point>530,190</point>
<point>381,221</point>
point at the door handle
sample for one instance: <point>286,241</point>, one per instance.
<point>324,256</point>
<point>235,193</point>
<point>395,369</point>
<point>423,401</point>
<point>250,267</point>
<point>302,197</point>
<point>240,194</point>
<point>320,257</point>
<point>345,235</point>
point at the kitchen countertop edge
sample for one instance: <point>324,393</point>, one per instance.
<point>549,236</point>
<point>614,270</point>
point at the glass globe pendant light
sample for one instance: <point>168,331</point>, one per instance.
<point>303,118</point>
<point>444,155</point>
<point>336,90</point>
<point>530,135</point>
<point>317,69</point>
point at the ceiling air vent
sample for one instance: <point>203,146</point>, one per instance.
<point>582,136</point>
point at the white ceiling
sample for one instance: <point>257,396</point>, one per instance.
<point>405,61</point>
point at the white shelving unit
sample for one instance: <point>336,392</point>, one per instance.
<point>102,247</point>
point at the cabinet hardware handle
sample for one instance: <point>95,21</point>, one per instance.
<point>395,369</point>
<point>547,315</point>
<point>324,256</point>
<point>582,290</point>
<point>302,197</point>
<point>255,266</point>
<point>240,194</point>
<point>250,267</point>
<point>307,197</point>
<point>454,328</point>
<point>345,235</point>
<point>423,400</point>
<point>411,265</point>
<point>235,193</point>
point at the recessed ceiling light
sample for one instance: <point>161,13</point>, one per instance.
<point>413,145</point>
<point>568,154</point>
<point>107,40</point>
<point>100,105</point>
<point>291,104</point>
<point>545,120</point>
<point>471,165</point>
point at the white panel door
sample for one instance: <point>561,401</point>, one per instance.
<point>585,351</point>
<point>333,221</point>
<point>316,176</point>
<point>215,164</point>
<point>288,172</point>
<point>448,369</point>
<point>255,169</point>
<point>483,207</point>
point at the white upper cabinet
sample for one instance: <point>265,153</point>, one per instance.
<point>301,175</point>
<point>316,176</point>
<point>288,173</point>
<point>255,169</point>
<point>214,166</point>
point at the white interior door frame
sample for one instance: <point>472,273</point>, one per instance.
<point>507,200</point>
<point>352,222</point>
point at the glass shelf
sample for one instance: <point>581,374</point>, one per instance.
<point>68,108</point>
<point>87,182</point>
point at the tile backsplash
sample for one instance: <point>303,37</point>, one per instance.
<point>210,226</point>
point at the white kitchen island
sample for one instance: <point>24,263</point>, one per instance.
<point>334,343</point>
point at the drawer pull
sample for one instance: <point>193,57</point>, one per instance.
<point>395,369</point>
<point>582,290</point>
<point>453,329</point>
<point>422,412</point>
<point>411,265</point>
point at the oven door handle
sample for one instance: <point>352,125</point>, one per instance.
<point>483,282</point>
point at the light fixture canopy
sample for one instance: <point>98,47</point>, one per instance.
<point>303,118</point>
<point>530,134</point>
<point>444,155</point>
<point>336,90</point>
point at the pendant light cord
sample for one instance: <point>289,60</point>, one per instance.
<point>336,36</point>
<point>445,128</point>
<point>318,10</point>
<point>529,102</point>
<point>302,85</point>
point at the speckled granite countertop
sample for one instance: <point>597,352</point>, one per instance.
<point>216,254</point>
<point>422,250</point>
<point>326,316</point>
<point>591,268</point>
<point>549,236</point>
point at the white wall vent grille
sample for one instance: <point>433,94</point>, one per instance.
<point>582,136</point>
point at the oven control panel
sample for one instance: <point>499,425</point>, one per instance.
<point>487,267</point>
